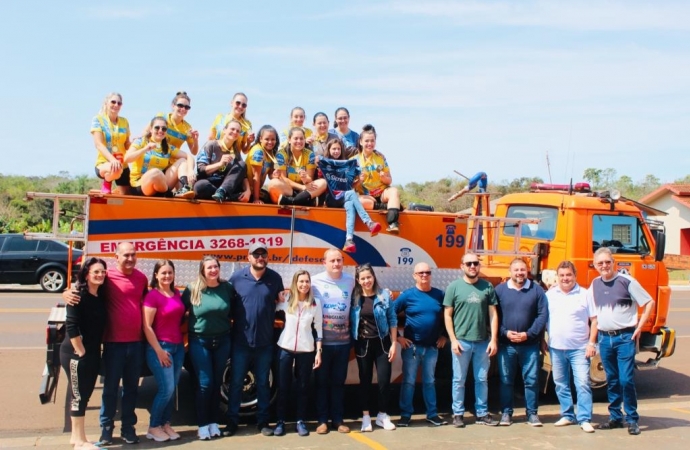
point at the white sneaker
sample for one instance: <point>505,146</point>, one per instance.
<point>213,430</point>
<point>204,433</point>
<point>384,421</point>
<point>563,422</point>
<point>366,424</point>
<point>587,427</point>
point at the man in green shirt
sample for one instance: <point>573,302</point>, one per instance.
<point>471,321</point>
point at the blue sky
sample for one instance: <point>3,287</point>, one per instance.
<point>465,85</point>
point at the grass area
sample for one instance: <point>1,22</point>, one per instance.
<point>678,275</point>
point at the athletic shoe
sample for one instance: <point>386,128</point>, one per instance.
<point>185,192</point>
<point>107,187</point>
<point>458,422</point>
<point>533,420</point>
<point>366,424</point>
<point>106,436</point>
<point>265,429</point>
<point>219,195</point>
<point>404,422</point>
<point>172,433</point>
<point>157,434</point>
<point>633,428</point>
<point>610,425</point>
<point>204,433</point>
<point>279,430</point>
<point>486,420</point>
<point>129,435</point>
<point>506,420</point>
<point>349,246</point>
<point>436,421</point>
<point>383,420</point>
<point>322,428</point>
<point>393,228</point>
<point>301,429</point>
<point>564,422</point>
<point>213,430</point>
<point>587,427</point>
<point>374,228</point>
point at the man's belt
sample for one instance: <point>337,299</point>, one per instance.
<point>617,332</point>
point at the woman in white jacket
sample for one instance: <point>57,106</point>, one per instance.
<point>296,346</point>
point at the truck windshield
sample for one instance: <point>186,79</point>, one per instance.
<point>622,234</point>
<point>545,229</point>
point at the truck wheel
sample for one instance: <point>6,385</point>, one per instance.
<point>53,280</point>
<point>248,404</point>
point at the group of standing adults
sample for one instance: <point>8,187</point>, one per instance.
<point>336,166</point>
<point>143,324</point>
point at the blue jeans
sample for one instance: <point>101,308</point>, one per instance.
<point>301,365</point>
<point>618,357</point>
<point>122,361</point>
<point>166,380</point>
<point>353,206</point>
<point>209,357</point>
<point>526,357</point>
<point>413,357</point>
<point>330,383</point>
<point>474,352</point>
<point>564,362</point>
<point>260,359</point>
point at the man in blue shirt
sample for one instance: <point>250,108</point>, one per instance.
<point>253,309</point>
<point>420,341</point>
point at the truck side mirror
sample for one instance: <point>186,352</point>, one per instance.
<point>660,238</point>
<point>541,249</point>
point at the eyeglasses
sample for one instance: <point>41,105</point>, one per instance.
<point>472,263</point>
<point>258,255</point>
<point>604,263</point>
<point>160,127</point>
<point>424,273</point>
<point>115,102</point>
<point>242,104</point>
<point>182,105</point>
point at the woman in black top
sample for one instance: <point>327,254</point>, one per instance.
<point>80,353</point>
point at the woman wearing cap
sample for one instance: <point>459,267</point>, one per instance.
<point>238,113</point>
<point>111,137</point>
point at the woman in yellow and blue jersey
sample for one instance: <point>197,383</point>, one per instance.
<point>297,117</point>
<point>260,162</point>
<point>111,137</point>
<point>152,162</point>
<point>375,189</point>
<point>238,113</point>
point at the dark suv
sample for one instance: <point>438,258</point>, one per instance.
<point>44,262</point>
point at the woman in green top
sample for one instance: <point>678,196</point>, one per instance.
<point>208,302</point>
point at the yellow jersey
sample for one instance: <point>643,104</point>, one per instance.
<point>151,159</point>
<point>222,120</point>
<point>177,134</point>
<point>305,161</point>
<point>259,158</point>
<point>114,134</point>
<point>371,167</point>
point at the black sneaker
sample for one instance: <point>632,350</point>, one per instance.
<point>486,420</point>
<point>106,435</point>
<point>436,421</point>
<point>265,429</point>
<point>129,435</point>
<point>458,422</point>
<point>633,428</point>
<point>610,425</point>
<point>230,429</point>
<point>404,422</point>
<point>506,420</point>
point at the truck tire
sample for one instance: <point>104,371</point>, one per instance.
<point>53,280</point>
<point>248,405</point>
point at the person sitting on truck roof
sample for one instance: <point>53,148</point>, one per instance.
<point>297,116</point>
<point>239,111</point>
<point>111,138</point>
<point>80,352</point>
<point>375,189</point>
<point>321,135</point>
<point>340,175</point>
<point>152,170</point>
<point>209,301</point>
<point>163,314</point>
<point>222,173</point>
<point>374,326</point>
<point>179,130</point>
<point>294,180</point>
<point>260,162</point>
<point>298,351</point>
<point>342,129</point>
